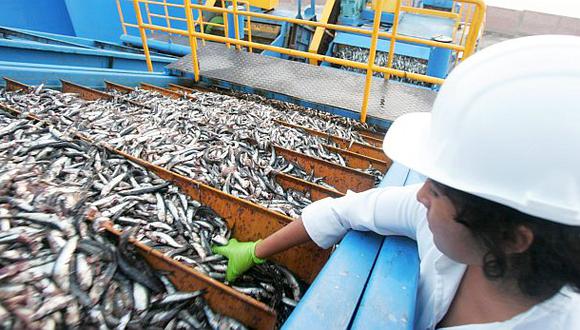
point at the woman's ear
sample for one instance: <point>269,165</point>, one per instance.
<point>523,238</point>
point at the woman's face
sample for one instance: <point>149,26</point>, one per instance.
<point>451,237</point>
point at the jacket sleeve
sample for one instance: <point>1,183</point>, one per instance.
<point>386,211</point>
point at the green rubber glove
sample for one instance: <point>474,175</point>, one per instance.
<point>241,257</point>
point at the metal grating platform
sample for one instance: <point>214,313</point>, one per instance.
<point>321,87</point>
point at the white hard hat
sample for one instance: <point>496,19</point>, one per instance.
<point>505,126</point>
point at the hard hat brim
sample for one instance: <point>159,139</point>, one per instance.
<point>407,141</point>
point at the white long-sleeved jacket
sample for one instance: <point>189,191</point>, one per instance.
<point>396,211</point>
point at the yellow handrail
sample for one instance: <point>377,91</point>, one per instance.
<point>475,24</point>
<point>192,39</point>
<point>371,62</point>
<point>393,37</point>
<point>120,11</point>
<point>143,35</point>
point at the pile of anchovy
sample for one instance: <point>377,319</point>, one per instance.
<point>225,141</point>
<point>58,272</point>
<point>72,174</point>
<point>400,62</point>
<point>214,140</point>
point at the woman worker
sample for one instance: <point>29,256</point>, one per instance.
<point>497,222</point>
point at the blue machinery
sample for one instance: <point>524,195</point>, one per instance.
<point>368,276</point>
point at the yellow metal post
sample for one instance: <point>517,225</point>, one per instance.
<point>143,35</point>
<point>121,17</point>
<point>371,63</point>
<point>167,20</point>
<point>201,28</point>
<point>249,26</point>
<point>225,19</point>
<point>236,21</point>
<point>393,38</point>
<point>192,39</point>
<point>148,14</point>
<point>319,32</point>
<point>474,28</point>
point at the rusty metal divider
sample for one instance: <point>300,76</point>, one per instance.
<point>286,181</point>
<point>359,148</point>
<point>355,160</point>
<point>249,222</point>
<point>341,177</point>
<point>118,87</point>
<point>221,202</point>
<point>166,92</point>
<point>373,138</point>
<point>13,85</point>
<point>222,298</point>
<point>84,92</point>
<point>246,220</point>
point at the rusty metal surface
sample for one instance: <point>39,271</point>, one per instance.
<point>13,85</point>
<point>84,92</point>
<point>341,177</point>
<point>355,160</point>
<point>355,147</point>
<point>248,221</point>
<point>219,296</point>
<point>372,140</point>
<point>164,91</point>
<point>18,113</point>
<point>375,135</point>
<point>186,89</point>
<point>316,192</point>
<point>118,87</point>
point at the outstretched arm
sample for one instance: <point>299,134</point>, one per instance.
<point>289,236</point>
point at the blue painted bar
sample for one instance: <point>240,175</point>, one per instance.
<point>278,42</point>
<point>396,176</point>
<point>241,23</point>
<point>439,62</point>
<point>331,300</point>
<point>448,4</point>
<point>390,297</point>
<point>50,75</point>
<point>84,42</point>
<point>401,48</point>
<point>40,37</point>
<point>389,301</point>
<point>41,15</point>
<point>166,47</point>
<point>33,52</point>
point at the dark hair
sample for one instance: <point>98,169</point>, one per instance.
<point>551,261</point>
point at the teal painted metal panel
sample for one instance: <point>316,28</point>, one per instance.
<point>96,19</point>
<point>50,75</point>
<point>390,297</point>
<point>40,15</point>
<point>331,300</point>
<point>33,52</point>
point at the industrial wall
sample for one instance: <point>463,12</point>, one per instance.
<point>41,15</point>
